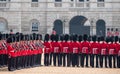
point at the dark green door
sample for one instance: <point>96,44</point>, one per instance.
<point>100,28</point>
<point>77,25</point>
<point>58,26</point>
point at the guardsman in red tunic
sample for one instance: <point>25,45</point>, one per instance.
<point>117,47</point>
<point>116,32</point>
<point>11,53</point>
<point>85,50</point>
<point>74,47</point>
<point>56,50</point>
<point>40,46</point>
<point>94,50</point>
<point>61,53</point>
<point>108,33</point>
<point>70,53</point>
<point>1,55</point>
<point>103,52</point>
<point>66,50</point>
<point>111,52</point>
<point>80,49</point>
<point>47,50</point>
<point>52,37</point>
<point>118,55</point>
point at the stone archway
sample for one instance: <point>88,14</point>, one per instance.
<point>101,28</point>
<point>58,26</point>
<point>77,25</point>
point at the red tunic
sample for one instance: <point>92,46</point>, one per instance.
<point>56,47</point>
<point>65,47</point>
<point>48,47</point>
<point>103,48</point>
<point>117,49</point>
<point>85,47</point>
<point>74,47</point>
<point>111,49</point>
<point>94,48</point>
<point>80,47</point>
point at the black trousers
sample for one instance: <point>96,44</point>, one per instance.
<point>66,57</point>
<point>51,57</point>
<point>83,56</point>
<point>1,60</point>
<point>70,59</point>
<point>12,64</point>
<point>29,61</point>
<point>46,59</point>
<point>17,63</point>
<point>61,57</point>
<point>75,59</point>
<point>92,59</point>
<point>79,59</point>
<point>38,61</point>
<point>26,59</point>
<point>110,60</point>
<point>118,61</point>
<point>56,59</point>
<point>6,59</point>
<point>32,60</point>
<point>103,57</point>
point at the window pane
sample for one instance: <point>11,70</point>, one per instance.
<point>34,0</point>
<point>35,26</point>
<point>58,0</point>
<point>81,0</point>
<point>100,0</point>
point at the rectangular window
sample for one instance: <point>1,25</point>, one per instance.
<point>58,0</point>
<point>34,3</point>
<point>100,3</point>
<point>34,26</point>
<point>4,3</point>
<point>81,0</point>
<point>100,0</point>
<point>34,0</point>
<point>58,3</point>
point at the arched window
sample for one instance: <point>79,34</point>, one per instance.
<point>3,25</point>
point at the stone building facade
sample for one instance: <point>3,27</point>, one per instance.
<point>66,16</point>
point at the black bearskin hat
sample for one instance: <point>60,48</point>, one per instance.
<point>74,38</point>
<point>90,38</point>
<point>102,38</point>
<point>85,37</point>
<point>94,38</point>
<point>66,38</point>
<point>21,36</point>
<point>0,36</point>
<point>56,37</point>
<point>6,36</point>
<point>9,40</point>
<point>116,38</point>
<point>62,37</point>
<point>52,37</point>
<point>80,38</point>
<point>71,37</point>
<point>34,36</point>
<point>112,39</point>
<point>107,39</point>
<point>18,38</point>
<point>98,39</point>
<point>46,38</point>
